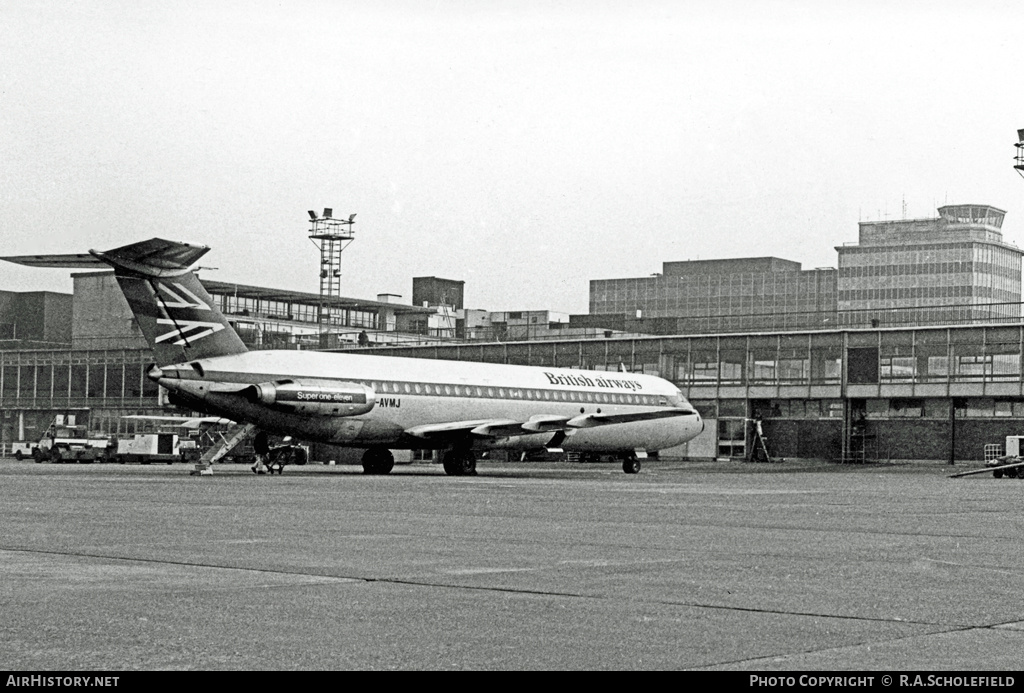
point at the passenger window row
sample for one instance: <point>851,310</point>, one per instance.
<point>488,392</point>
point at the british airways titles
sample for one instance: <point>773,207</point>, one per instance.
<point>584,381</point>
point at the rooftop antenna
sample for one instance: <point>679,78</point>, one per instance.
<point>449,304</point>
<point>330,236</point>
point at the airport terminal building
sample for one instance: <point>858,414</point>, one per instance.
<point>924,393</point>
<point>949,269</point>
<point>938,387</point>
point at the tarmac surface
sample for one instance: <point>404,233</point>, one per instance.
<point>698,566</point>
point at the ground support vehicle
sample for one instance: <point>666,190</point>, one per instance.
<point>145,448</point>
<point>1003,466</point>
<point>72,444</point>
<point>281,455</point>
<point>22,449</point>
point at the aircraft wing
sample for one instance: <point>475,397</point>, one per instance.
<point>592,420</point>
<point>500,429</point>
<point>483,428</point>
<point>546,423</point>
<point>492,428</point>
<point>539,423</point>
<point>455,428</point>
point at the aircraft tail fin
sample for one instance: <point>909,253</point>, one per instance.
<point>179,319</point>
<point>176,314</point>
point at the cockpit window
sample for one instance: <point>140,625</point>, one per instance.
<point>677,400</point>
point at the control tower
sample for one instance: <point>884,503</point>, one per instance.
<point>331,236</point>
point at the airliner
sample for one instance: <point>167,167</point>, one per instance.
<point>378,403</point>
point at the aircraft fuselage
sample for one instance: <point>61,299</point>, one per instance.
<point>368,400</point>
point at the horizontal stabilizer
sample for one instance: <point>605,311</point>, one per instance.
<point>153,258</point>
<point>176,314</point>
<point>82,261</point>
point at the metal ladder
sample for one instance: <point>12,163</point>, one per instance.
<point>761,442</point>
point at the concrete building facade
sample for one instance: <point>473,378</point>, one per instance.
<point>434,291</point>
<point>35,318</point>
<point>947,269</point>
<point>715,296</point>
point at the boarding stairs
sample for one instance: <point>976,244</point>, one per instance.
<point>229,440</point>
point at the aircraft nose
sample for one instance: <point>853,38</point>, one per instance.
<point>690,422</point>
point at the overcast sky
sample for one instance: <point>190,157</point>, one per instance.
<point>524,147</point>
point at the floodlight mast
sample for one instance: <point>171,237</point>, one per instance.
<point>1019,158</point>
<point>330,236</point>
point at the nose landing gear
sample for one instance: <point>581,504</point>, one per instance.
<point>459,462</point>
<point>631,464</point>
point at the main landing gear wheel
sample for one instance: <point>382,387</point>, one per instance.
<point>631,465</point>
<point>378,461</point>
<point>459,463</point>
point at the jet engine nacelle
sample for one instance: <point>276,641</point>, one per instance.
<point>325,397</point>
